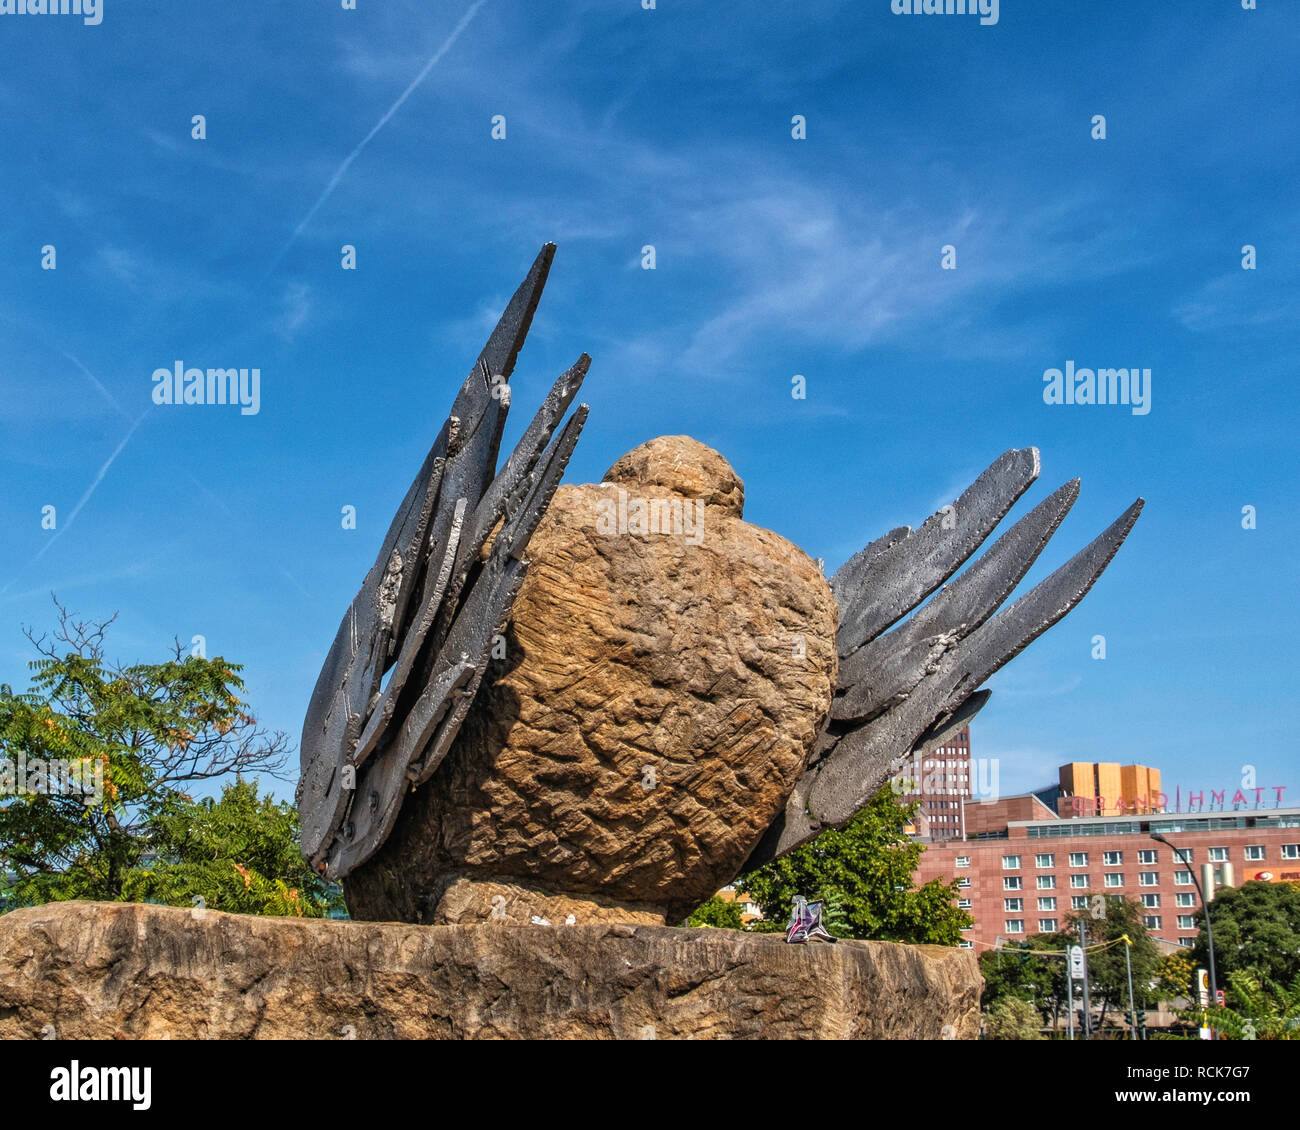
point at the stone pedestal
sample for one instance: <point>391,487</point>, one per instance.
<point>135,971</point>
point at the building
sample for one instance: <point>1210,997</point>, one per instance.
<point>749,910</point>
<point>941,781</point>
<point>1105,788</point>
<point>1023,868</point>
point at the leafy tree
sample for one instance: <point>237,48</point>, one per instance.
<point>239,854</point>
<point>1174,975</point>
<point>1258,1010</point>
<point>1256,930</point>
<point>719,912</point>
<point>1013,1018</point>
<point>1107,973</point>
<point>863,873</point>
<point>143,732</point>
<point>1019,973</point>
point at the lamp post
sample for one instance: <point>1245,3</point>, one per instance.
<point>1205,906</point>
<point>1132,1009</point>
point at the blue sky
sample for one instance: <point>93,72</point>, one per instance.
<point>775,256</point>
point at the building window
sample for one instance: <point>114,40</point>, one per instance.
<point>1187,921</point>
<point>1291,851</point>
<point>1047,925</point>
<point>1219,855</point>
<point>1014,905</point>
<point>966,945</point>
<point>963,904</point>
<point>1010,862</point>
<point>1151,902</point>
<point>1147,855</point>
<point>1182,878</point>
<point>1079,881</point>
<point>963,861</point>
<point>1255,851</point>
<point>964,881</point>
<point>1015,925</point>
<point>1078,902</point>
<point>1047,904</point>
<point>1185,855</point>
<point>1189,942</point>
<point>1151,921</point>
<point>1011,883</point>
<point>1114,878</point>
<point>1148,878</point>
<point>1047,882</point>
<point>1044,859</point>
<point>1112,858</point>
<point>1185,898</point>
<point>1078,859</point>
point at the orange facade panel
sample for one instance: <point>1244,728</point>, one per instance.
<point>1110,787</point>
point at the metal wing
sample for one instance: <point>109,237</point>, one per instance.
<point>431,604</point>
<point>903,690</point>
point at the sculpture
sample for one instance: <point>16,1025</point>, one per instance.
<point>668,710</point>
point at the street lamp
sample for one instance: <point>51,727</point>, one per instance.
<point>1205,906</point>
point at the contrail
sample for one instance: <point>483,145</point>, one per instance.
<point>84,499</point>
<point>98,478</point>
<point>347,161</point>
<point>96,382</point>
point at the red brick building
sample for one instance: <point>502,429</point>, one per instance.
<point>1024,869</point>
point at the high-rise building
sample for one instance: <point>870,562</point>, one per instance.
<point>940,779</point>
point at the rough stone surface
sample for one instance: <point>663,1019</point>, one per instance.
<point>659,697</point>
<point>134,971</point>
<point>683,466</point>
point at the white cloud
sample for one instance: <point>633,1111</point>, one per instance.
<point>295,310</point>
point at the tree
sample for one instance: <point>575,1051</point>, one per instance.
<point>863,873</point>
<point>719,912</point>
<point>1019,972</point>
<point>1258,1009</point>
<point>1174,975</point>
<point>1256,930</point>
<point>238,854</point>
<point>1107,971</point>
<point>125,741</point>
<point>1013,1018</point>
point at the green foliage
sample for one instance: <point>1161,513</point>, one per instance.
<point>1256,931</point>
<point>1174,975</point>
<point>719,912</point>
<point>1107,974</point>
<point>1013,1018</point>
<point>148,731</point>
<point>863,873</point>
<point>1017,973</point>
<point>239,854</point>
<point>1258,1009</point>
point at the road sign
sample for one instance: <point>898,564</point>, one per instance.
<point>1076,963</point>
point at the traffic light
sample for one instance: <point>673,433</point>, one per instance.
<point>1142,1025</point>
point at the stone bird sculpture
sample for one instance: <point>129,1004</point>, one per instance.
<point>603,702</point>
